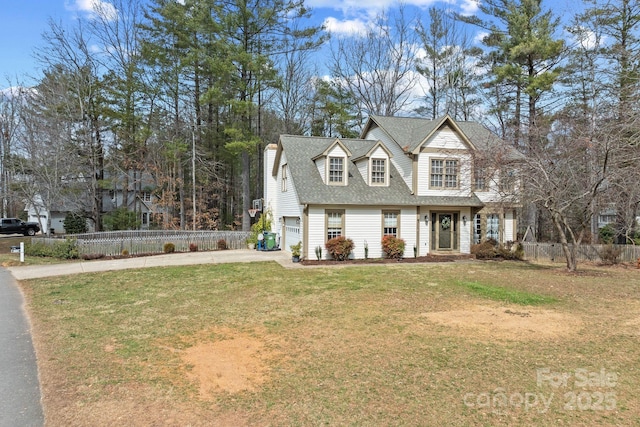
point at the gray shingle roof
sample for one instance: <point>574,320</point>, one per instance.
<point>410,133</point>
<point>311,189</point>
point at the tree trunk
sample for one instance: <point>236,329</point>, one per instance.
<point>569,252</point>
<point>246,190</point>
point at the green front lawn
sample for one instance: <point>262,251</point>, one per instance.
<point>399,344</point>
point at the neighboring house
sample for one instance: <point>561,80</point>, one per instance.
<point>432,183</point>
<point>38,212</point>
<point>142,201</point>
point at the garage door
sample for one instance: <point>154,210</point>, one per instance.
<point>291,232</point>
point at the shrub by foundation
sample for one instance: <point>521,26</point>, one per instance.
<point>339,248</point>
<point>393,247</point>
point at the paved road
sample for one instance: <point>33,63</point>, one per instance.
<point>20,403</point>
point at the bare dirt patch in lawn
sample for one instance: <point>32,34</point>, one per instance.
<point>512,323</point>
<point>231,362</point>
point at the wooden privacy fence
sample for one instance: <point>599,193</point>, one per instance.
<point>140,242</point>
<point>553,252</point>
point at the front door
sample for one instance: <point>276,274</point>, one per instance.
<point>445,231</point>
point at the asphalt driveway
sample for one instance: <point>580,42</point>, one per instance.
<point>20,403</point>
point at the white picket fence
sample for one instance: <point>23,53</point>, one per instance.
<point>553,252</point>
<point>141,242</point>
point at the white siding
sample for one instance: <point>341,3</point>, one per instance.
<point>337,151</point>
<point>362,224</point>
<point>408,230</point>
<point>446,139</point>
<point>363,168</point>
<point>379,153</point>
<point>466,235</point>
<point>315,233</point>
<point>465,176</point>
<point>491,195</point>
<point>365,164</point>
<point>449,146</point>
<point>508,227</point>
<point>400,160</point>
<point>271,189</point>
<point>287,202</point>
<point>425,232</point>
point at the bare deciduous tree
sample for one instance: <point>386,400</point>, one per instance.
<point>377,69</point>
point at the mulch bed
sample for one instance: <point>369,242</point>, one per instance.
<point>422,259</point>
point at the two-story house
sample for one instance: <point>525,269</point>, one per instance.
<point>432,183</point>
<point>76,199</point>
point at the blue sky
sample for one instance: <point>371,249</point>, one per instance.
<point>24,22</point>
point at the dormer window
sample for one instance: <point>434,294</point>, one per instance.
<point>378,171</point>
<point>336,170</point>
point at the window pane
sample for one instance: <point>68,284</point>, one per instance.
<point>390,224</point>
<point>378,171</point>
<point>334,224</point>
<point>436,173</point>
<point>493,223</point>
<point>451,174</point>
<point>335,169</point>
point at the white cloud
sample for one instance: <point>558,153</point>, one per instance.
<point>469,7</point>
<point>371,8</point>
<point>93,8</point>
<point>479,37</point>
<point>355,17</point>
<point>348,27</point>
<point>586,38</point>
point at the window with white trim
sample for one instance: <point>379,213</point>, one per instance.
<point>146,196</point>
<point>378,171</point>
<point>336,170</point>
<point>335,224</point>
<point>390,223</point>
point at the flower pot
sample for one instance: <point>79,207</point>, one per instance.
<point>295,258</point>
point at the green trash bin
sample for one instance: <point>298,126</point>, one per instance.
<point>270,241</point>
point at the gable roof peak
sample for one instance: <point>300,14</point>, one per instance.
<point>330,147</point>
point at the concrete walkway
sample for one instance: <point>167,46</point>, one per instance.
<point>188,258</point>
<point>20,403</point>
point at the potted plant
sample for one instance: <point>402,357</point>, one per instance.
<point>252,240</point>
<point>296,251</point>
